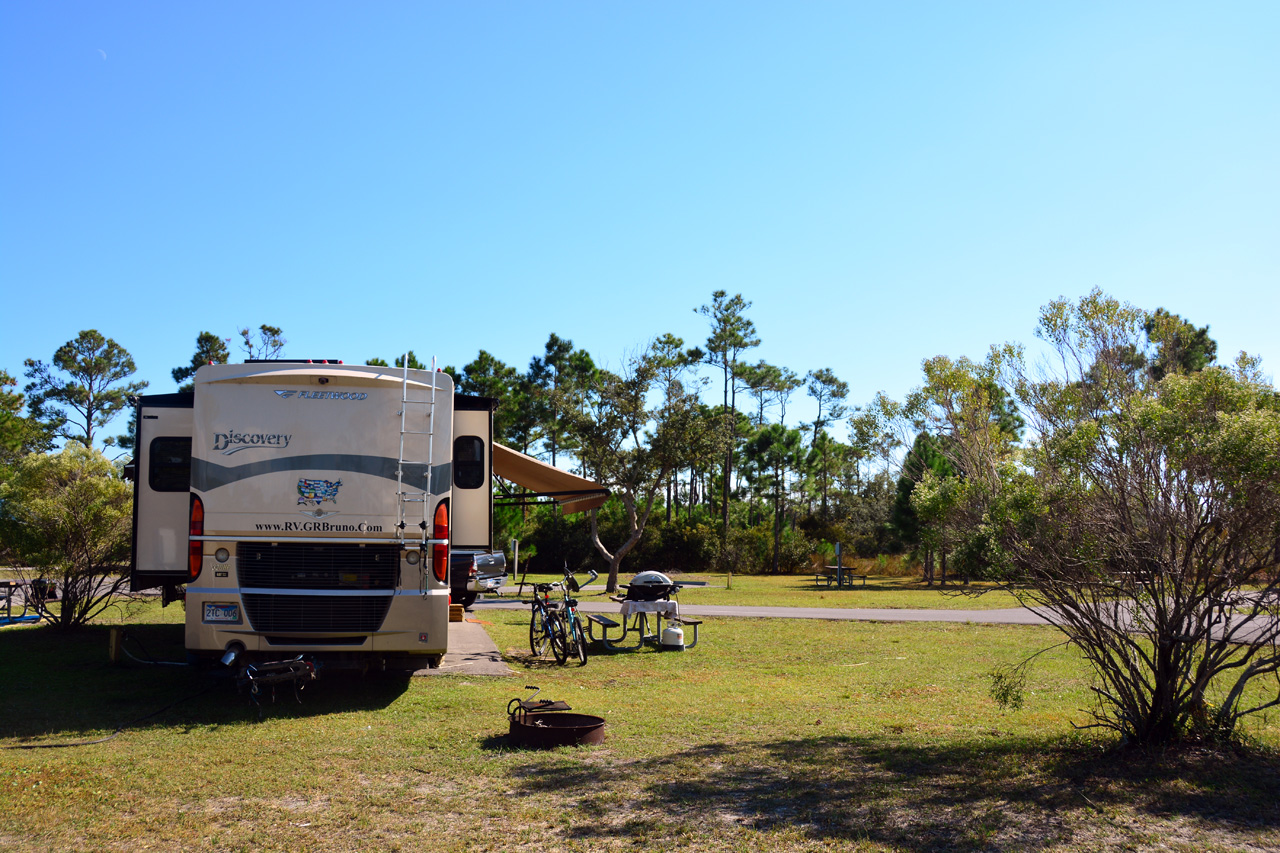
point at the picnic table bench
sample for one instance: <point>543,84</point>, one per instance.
<point>831,574</point>
<point>638,617</point>
<point>30,609</point>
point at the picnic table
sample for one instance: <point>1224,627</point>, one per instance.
<point>635,617</point>
<point>834,575</point>
<point>30,611</point>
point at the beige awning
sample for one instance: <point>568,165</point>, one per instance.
<point>571,492</point>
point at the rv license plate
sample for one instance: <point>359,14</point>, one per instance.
<point>221,612</point>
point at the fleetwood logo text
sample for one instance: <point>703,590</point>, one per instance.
<point>323,395</point>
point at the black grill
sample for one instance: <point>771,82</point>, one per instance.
<point>651,592</point>
<point>316,612</point>
<point>263,565</point>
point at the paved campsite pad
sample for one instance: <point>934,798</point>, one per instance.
<point>471,652</point>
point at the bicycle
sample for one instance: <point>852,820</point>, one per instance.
<point>540,618</point>
<point>568,637</point>
<point>556,623</point>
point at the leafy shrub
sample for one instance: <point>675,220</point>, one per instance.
<point>69,516</point>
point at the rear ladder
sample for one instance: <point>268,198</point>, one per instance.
<point>403,496</point>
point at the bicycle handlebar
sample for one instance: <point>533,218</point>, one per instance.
<point>547,587</point>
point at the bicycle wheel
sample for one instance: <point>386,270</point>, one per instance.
<point>579,641</point>
<point>538,634</point>
<point>559,638</point>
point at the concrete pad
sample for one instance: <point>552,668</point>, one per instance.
<point>471,652</point>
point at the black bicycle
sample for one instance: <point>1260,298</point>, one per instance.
<point>541,618</point>
<point>568,637</point>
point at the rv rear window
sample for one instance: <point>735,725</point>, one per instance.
<point>170,468</point>
<point>468,462</point>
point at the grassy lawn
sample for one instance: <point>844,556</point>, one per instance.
<point>879,591</point>
<point>801,591</point>
<point>771,735</point>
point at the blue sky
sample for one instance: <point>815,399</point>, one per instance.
<point>885,182</point>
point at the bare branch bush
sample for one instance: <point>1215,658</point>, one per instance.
<point>1141,517</point>
<point>1144,522</point>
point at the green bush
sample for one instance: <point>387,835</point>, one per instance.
<point>681,546</point>
<point>794,551</point>
<point>68,515</point>
<point>746,551</point>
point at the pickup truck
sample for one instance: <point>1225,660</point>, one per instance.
<point>474,572</point>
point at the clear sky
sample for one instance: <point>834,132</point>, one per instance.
<point>885,182</point>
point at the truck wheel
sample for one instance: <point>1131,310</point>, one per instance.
<point>468,598</point>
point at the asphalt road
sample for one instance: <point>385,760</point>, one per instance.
<point>1013,616</point>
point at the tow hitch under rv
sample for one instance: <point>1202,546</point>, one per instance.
<point>257,677</point>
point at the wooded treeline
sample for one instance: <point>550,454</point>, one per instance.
<point>707,471</point>
<point>1128,487</point>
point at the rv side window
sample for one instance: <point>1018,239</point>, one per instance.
<point>468,462</point>
<point>170,468</point>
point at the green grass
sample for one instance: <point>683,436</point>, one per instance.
<point>771,735</point>
<point>801,591</point>
<point>879,591</point>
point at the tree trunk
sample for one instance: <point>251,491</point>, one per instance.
<point>724,509</point>
<point>777,527</point>
<point>728,456</point>
<point>824,481</point>
<point>636,523</point>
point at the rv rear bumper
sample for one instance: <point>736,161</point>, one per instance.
<point>220,618</point>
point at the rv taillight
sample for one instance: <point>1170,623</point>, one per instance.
<point>195,547</point>
<point>440,546</point>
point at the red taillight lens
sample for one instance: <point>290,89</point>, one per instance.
<point>195,547</point>
<point>440,551</point>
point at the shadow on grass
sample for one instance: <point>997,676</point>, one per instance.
<point>1003,795</point>
<point>530,662</point>
<point>806,583</point>
<point>63,686</point>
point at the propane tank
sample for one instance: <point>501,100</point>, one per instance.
<point>672,638</point>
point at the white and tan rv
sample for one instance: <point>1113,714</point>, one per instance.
<point>309,507</point>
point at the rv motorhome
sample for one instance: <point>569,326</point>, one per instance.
<point>309,507</point>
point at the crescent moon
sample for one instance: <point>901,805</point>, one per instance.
<point>103,52</point>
